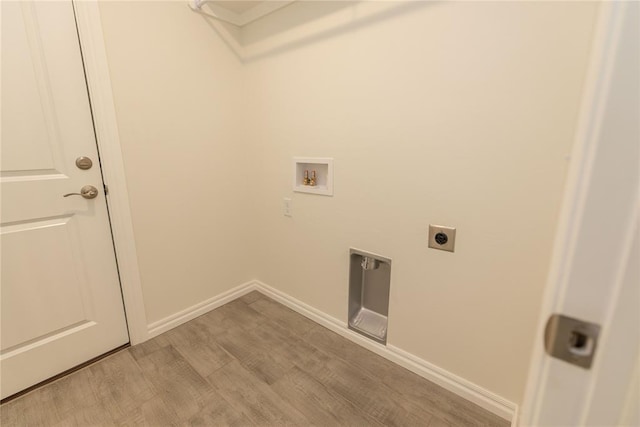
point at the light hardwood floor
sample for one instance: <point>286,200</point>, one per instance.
<point>250,362</point>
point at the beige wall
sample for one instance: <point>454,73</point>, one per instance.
<point>450,113</point>
<point>176,89</point>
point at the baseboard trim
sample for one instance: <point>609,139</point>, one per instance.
<point>455,384</point>
<point>177,319</point>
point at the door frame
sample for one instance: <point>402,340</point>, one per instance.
<point>596,90</point>
<point>105,122</point>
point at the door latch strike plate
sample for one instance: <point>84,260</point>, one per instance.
<point>571,340</point>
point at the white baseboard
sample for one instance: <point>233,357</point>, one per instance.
<point>455,384</point>
<point>515,420</point>
<point>177,319</point>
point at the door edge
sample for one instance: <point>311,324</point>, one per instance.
<point>96,66</point>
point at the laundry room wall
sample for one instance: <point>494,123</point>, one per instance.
<point>176,89</point>
<point>450,113</point>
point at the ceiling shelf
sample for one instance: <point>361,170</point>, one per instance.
<point>238,13</point>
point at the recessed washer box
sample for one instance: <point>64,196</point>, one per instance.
<point>323,167</point>
<point>369,285</point>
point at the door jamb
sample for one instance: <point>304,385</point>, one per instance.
<point>595,92</point>
<point>106,127</point>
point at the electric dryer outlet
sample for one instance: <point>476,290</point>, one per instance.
<point>442,237</point>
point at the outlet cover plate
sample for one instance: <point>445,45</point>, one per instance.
<point>436,239</point>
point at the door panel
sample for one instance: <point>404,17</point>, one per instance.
<point>60,295</point>
<point>22,93</point>
<point>46,299</point>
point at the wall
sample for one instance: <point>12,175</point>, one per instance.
<point>460,114</point>
<point>451,113</point>
<point>176,89</point>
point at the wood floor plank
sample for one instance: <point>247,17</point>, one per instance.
<point>329,341</point>
<point>36,408</point>
<point>176,382</point>
<point>119,384</point>
<point>215,322</point>
<point>88,416</point>
<point>153,412</point>
<point>252,352</point>
<point>317,404</point>
<point>253,397</point>
<point>195,344</point>
<point>73,392</point>
<point>251,297</point>
<point>9,413</point>
<point>269,351</point>
<point>446,405</point>
<point>282,315</point>
<point>220,413</point>
<point>144,349</point>
<point>292,348</point>
<point>416,390</point>
<point>438,422</point>
<point>236,315</point>
<point>369,395</point>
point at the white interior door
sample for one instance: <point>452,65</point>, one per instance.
<point>60,295</point>
<point>596,277</point>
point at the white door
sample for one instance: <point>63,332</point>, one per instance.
<point>596,273</point>
<point>60,295</point>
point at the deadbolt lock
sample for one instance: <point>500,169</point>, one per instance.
<point>571,340</point>
<point>84,163</point>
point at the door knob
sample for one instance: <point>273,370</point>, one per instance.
<point>88,192</point>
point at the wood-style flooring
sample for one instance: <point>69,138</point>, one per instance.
<point>249,362</point>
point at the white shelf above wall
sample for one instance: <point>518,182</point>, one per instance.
<point>323,167</point>
<point>238,12</point>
